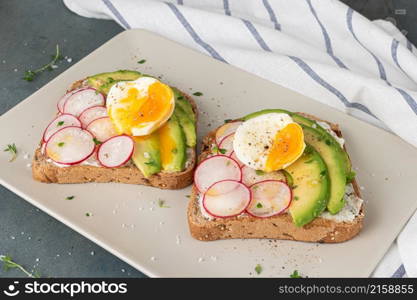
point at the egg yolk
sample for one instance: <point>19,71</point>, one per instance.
<point>137,111</point>
<point>288,145</point>
<point>167,145</point>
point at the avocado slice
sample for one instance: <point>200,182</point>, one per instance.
<point>104,81</point>
<point>172,145</point>
<point>187,125</point>
<point>266,111</point>
<point>334,158</point>
<point>147,155</point>
<point>184,104</point>
<point>311,187</point>
<point>306,122</point>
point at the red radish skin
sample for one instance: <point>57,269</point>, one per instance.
<point>128,157</point>
<point>203,187</point>
<point>74,162</point>
<point>228,129</point>
<point>75,122</point>
<point>249,176</point>
<point>282,210</point>
<point>241,164</point>
<point>101,137</point>
<point>100,100</point>
<point>238,183</point>
<point>86,120</point>
<point>227,144</point>
<point>61,103</point>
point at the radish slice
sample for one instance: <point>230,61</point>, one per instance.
<point>70,146</point>
<point>226,198</point>
<point>116,151</point>
<point>102,129</point>
<point>233,155</point>
<point>61,102</point>
<point>227,144</point>
<point>81,100</point>
<point>251,176</point>
<point>58,123</point>
<point>269,198</point>
<point>226,130</point>
<point>216,168</point>
<point>91,114</point>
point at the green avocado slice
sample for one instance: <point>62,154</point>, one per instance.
<point>104,81</point>
<point>147,155</point>
<point>311,187</point>
<point>334,158</point>
<point>173,147</point>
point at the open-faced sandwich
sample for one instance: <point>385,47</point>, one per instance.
<point>123,127</point>
<point>278,175</point>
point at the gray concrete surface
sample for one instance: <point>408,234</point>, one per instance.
<point>29,31</point>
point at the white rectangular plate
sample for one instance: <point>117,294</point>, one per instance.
<point>127,220</point>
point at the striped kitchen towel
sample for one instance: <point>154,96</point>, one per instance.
<point>322,49</point>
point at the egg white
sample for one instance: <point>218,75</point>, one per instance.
<point>254,138</point>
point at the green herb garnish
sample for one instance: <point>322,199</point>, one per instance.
<point>328,142</point>
<point>309,161</point>
<point>198,94</point>
<point>174,150</point>
<point>96,141</point>
<point>30,75</point>
<point>222,151</point>
<point>13,150</point>
<point>69,197</point>
<point>61,144</point>
<point>258,269</point>
<point>36,274</point>
<point>142,61</point>
<point>296,198</point>
<point>8,264</point>
<point>259,172</point>
<point>60,123</point>
<point>219,150</point>
<point>295,274</point>
<point>161,203</point>
<point>259,205</point>
<point>322,173</point>
<point>87,214</point>
<point>350,177</point>
<point>228,120</point>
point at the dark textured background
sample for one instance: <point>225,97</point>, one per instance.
<point>29,31</point>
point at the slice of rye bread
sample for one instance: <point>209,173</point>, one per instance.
<point>277,227</point>
<point>45,171</point>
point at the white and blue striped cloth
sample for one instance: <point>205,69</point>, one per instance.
<point>320,48</point>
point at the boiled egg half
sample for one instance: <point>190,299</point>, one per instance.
<point>141,106</point>
<point>269,142</point>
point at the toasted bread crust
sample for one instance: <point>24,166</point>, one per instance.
<point>46,171</point>
<point>277,227</point>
